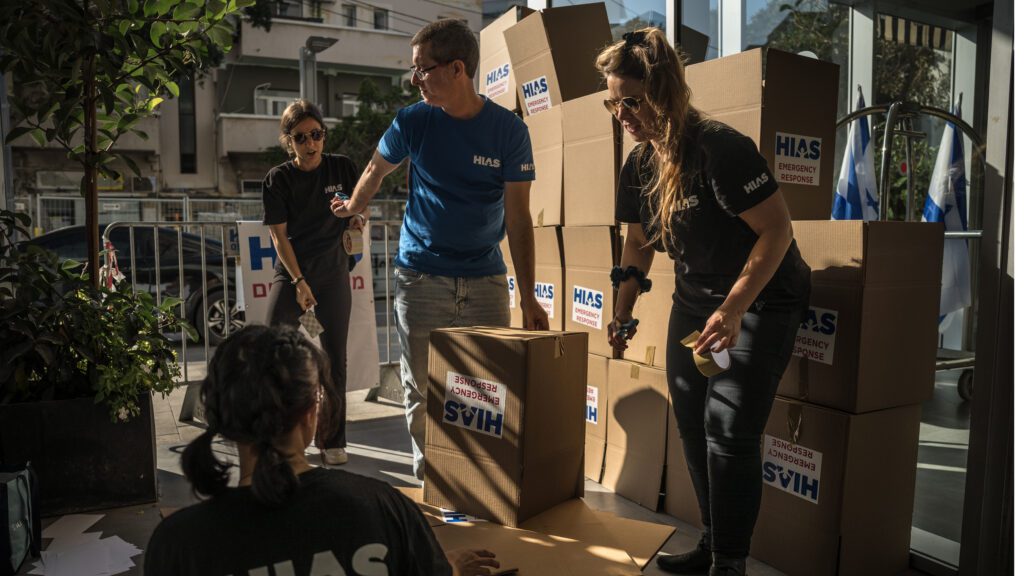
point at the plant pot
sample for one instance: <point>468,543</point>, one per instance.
<point>83,460</point>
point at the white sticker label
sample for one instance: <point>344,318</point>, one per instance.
<point>592,393</point>
<point>536,95</point>
<point>546,296</point>
<point>797,159</point>
<point>496,82</point>
<point>511,291</point>
<point>474,404</point>
<point>816,337</point>
<point>587,305</point>
<point>792,468</point>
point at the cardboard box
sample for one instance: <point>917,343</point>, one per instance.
<point>680,499</point>
<point>590,253</point>
<point>596,416</point>
<point>787,105</point>
<point>546,191</point>
<point>497,80</point>
<point>592,149</point>
<point>553,53</point>
<point>637,417</point>
<point>838,495</point>
<point>868,340</point>
<point>653,309</point>
<point>500,443</point>
<point>549,276</point>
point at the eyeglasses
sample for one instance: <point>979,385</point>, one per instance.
<point>316,135</point>
<point>631,103</point>
<point>421,73</point>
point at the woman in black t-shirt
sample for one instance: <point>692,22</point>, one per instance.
<point>700,191</point>
<point>268,390</point>
<point>312,266</point>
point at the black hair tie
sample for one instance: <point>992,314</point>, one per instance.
<point>635,38</point>
<point>619,275</point>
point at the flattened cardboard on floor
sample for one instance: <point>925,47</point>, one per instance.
<point>787,105</point>
<point>497,79</point>
<point>868,340</point>
<point>500,441</point>
<point>546,191</point>
<point>638,409</point>
<point>553,53</point>
<point>596,416</point>
<point>680,499</point>
<point>590,253</point>
<point>549,276</point>
<point>592,148</point>
<point>838,496</point>
<point>653,309</point>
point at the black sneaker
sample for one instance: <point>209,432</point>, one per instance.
<point>728,567</point>
<point>696,561</point>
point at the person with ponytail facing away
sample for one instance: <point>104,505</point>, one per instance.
<point>266,391</point>
<point>700,191</point>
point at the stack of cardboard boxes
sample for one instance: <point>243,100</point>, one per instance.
<point>840,447</point>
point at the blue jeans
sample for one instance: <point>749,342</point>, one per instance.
<point>425,302</point>
<point>721,419</point>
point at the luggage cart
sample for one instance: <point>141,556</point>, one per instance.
<point>899,117</point>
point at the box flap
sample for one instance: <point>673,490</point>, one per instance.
<point>492,37</point>
<point>576,35</point>
<point>526,39</point>
<point>727,85</point>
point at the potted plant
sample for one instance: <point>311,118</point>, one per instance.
<point>78,367</point>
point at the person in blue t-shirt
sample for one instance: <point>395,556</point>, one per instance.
<point>470,168</point>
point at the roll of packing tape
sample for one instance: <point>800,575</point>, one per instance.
<point>709,364</point>
<point>352,241</point>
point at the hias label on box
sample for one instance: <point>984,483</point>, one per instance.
<point>474,403</point>
<point>511,291</point>
<point>587,305</point>
<point>536,97</point>
<point>496,81</point>
<point>797,159</point>
<point>545,293</point>
<point>792,468</point>
<point>592,395</point>
<point>816,337</point>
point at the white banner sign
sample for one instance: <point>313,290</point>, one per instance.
<point>258,258</point>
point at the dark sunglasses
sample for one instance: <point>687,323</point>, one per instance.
<point>300,138</point>
<point>631,103</point>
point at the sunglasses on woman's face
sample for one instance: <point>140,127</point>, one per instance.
<point>631,103</point>
<point>300,138</point>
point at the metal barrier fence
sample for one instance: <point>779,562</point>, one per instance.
<point>52,212</point>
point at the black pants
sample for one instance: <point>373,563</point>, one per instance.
<point>721,419</point>
<point>327,276</point>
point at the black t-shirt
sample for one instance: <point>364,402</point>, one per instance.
<point>336,519</point>
<point>303,201</point>
<point>726,176</point>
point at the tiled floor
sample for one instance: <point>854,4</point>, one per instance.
<point>378,447</point>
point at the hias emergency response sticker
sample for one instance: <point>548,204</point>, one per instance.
<point>797,159</point>
<point>587,307</point>
<point>475,404</point>
<point>792,468</point>
<point>816,337</point>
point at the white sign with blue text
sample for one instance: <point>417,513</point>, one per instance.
<point>511,291</point>
<point>587,307</point>
<point>592,395</point>
<point>816,337</point>
<point>792,468</point>
<point>475,404</point>
<point>536,95</point>
<point>496,81</point>
<point>797,159</point>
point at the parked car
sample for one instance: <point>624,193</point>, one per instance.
<point>222,314</point>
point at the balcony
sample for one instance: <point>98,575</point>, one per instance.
<point>250,133</point>
<point>368,50</point>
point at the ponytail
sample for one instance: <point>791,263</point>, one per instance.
<point>207,475</point>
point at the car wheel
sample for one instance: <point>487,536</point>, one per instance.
<point>222,320</point>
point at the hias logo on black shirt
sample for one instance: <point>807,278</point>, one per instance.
<point>755,183</point>
<point>334,188</point>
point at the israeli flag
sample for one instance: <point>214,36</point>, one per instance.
<point>947,203</point>
<point>856,195</point>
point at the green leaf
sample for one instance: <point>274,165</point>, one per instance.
<point>153,103</point>
<point>172,87</point>
<point>17,132</point>
<point>239,4</point>
<point>156,31</point>
<point>131,165</point>
<point>39,136</point>
<point>122,28</point>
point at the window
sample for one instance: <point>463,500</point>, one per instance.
<point>627,15</point>
<point>703,17</point>
<point>380,19</point>
<point>348,15</point>
<point>350,105</point>
<point>273,102</point>
<point>251,187</point>
<point>287,8</point>
<point>187,126</point>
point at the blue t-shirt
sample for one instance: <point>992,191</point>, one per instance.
<point>455,218</point>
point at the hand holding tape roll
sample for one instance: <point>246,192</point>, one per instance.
<point>710,364</point>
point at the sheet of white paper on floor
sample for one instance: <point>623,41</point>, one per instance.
<point>71,525</point>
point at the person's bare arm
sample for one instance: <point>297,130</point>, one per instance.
<point>303,294</point>
<point>367,187</point>
<point>519,224</point>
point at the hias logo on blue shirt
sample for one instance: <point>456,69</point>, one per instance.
<point>535,88</point>
<point>499,73</point>
<point>588,297</point>
<point>797,147</point>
